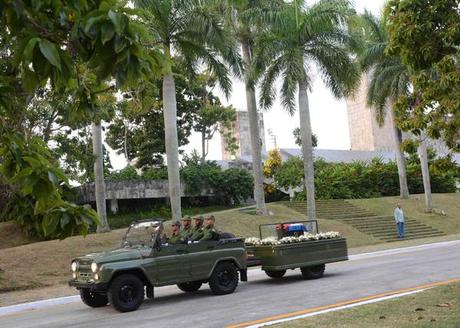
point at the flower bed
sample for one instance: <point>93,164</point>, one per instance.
<point>254,241</point>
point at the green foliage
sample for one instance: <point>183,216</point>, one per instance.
<point>126,173</point>
<point>367,179</point>
<point>426,36</point>
<point>298,138</point>
<point>38,205</point>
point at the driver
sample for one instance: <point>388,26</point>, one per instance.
<point>197,231</point>
<point>175,235</point>
<point>209,232</point>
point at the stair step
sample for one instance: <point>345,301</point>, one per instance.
<point>438,233</point>
<point>391,233</point>
<point>413,237</point>
<point>423,228</point>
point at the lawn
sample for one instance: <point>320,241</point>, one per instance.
<point>436,307</point>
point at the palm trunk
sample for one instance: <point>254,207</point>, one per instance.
<point>99,184</point>
<point>400,160</point>
<point>259,195</point>
<point>307,149</point>
<point>203,146</point>
<point>172,145</point>
<point>422,152</point>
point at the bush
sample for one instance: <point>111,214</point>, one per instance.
<point>366,179</point>
<point>126,173</point>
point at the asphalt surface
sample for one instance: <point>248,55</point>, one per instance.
<point>261,297</point>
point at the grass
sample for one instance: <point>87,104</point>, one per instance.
<point>436,307</point>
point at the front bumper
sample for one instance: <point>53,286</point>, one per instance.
<point>94,287</point>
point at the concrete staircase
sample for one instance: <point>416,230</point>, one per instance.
<point>381,227</point>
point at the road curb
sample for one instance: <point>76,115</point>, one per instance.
<point>38,304</point>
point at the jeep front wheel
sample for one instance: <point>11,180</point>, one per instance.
<point>224,279</point>
<point>276,274</point>
<point>93,299</point>
<point>189,287</point>
<point>314,272</point>
<point>126,293</point>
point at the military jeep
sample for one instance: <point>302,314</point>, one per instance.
<point>122,277</point>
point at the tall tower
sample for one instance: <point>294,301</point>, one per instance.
<point>241,131</point>
<point>365,133</point>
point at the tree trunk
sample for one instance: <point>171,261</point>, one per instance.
<point>203,146</point>
<point>259,195</point>
<point>423,155</point>
<point>400,160</point>
<point>172,145</point>
<point>99,184</point>
<point>307,149</point>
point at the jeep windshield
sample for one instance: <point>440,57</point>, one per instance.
<point>142,233</point>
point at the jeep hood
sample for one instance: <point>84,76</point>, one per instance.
<point>120,254</point>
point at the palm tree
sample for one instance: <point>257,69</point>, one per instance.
<point>189,29</point>
<point>241,17</point>
<point>389,79</point>
<point>99,184</point>
<point>302,37</point>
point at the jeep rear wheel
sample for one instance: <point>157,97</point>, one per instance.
<point>276,274</point>
<point>224,279</point>
<point>93,299</point>
<point>314,272</point>
<point>189,287</point>
<point>126,293</point>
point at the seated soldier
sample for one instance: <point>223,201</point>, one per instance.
<point>197,231</point>
<point>209,232</point>
<point>175,234</point>
<point>186,231</point>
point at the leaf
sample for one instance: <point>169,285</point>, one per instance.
<point>107,33</point>
<point>29,49</point>
<point>50,52</point>
<point>53,178</point>
<point>117,21</point>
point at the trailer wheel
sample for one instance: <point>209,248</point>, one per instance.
<point>314,272</point>
<point>275,274</point>
<point>224,279</point>
<point>92,299</point>
<point>126,293</point>
<point>189,287</point>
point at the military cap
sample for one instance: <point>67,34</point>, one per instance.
<point>199,218</point>
<point>177,223</point>
<point>211,217</point>
<point>186,218</point>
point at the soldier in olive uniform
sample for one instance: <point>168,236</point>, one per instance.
<point>175,235</point>
<point>209,232</point>
<point>197,231</point>
<point>186,231</point>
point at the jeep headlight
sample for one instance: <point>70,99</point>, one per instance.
<point>74,266</point>
<point>94,267</point>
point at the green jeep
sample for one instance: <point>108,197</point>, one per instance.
<point>123,276</point>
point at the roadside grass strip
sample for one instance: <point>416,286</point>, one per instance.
<point>268,321</point>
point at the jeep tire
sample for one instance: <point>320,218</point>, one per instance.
<point>126,292</point>
<point>314,272</point>
<point>93,299</point>
<point>275,274</point>
<point>224,279</point>
<point>190,287</point>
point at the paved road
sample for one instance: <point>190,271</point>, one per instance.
<point>261,296</point>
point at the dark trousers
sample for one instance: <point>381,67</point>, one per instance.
<point>400,229</point>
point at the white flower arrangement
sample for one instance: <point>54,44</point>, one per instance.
<point>254,241</point>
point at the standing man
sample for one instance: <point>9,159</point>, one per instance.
<point>209,232</point>
<point>197,231</point>
<point>186,231</point>
<point>399,218</point>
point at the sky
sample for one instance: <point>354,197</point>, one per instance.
<point>328,115</point>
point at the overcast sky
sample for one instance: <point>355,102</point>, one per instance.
<point>328,115</point>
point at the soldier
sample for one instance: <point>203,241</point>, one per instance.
<point>197,231</point>
<point>175,235</point>
<point>209,232</point>
<point>186,231</point>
